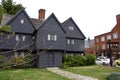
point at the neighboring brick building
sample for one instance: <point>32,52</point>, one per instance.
<point>101,46</point>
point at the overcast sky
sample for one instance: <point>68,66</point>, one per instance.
<point>93,17</point>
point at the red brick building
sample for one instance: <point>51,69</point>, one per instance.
<point>101,45</point>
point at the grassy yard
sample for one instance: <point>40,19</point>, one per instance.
<point>96,71</point>
<point>29,74</point>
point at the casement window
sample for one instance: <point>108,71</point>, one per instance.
<point>52,37</point>
<point>70,41</point>
<point>23,38</point>
<point>22,21</point>
<point>102,38</point>
<point>71,28</point>
<point>115,35</point>
<point>108,37</point>
<point>17,38</point>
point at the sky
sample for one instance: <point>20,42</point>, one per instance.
<point>93,17</point>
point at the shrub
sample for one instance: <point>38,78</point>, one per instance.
<point>113,76</point>
<point>18,62</point>
<point>79,60</point>
<point>90,59</point>
<point>68,59</point>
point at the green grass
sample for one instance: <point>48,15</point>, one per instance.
<point>29,74</point>
<point>99,72</point>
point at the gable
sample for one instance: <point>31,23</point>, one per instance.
<point>21,23</point>
<point>76,32</point>
<point>52,24</point>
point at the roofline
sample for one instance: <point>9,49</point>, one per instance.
<point>23,9</point>
<point>55,19</point>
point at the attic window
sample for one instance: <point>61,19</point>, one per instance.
<point>71,28</point>
<point>22,21</point>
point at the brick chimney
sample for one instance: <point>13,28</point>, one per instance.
<point>118,18</point>
<point>41,14</point>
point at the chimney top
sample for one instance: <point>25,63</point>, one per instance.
<point>118,18</point>
<point>41,14</point>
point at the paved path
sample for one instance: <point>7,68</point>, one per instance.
<point>69,75</point>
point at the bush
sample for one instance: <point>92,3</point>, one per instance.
<point>113,76</point>
<point>90,59</point>
<point>68,60</point>
<point>78,60</point>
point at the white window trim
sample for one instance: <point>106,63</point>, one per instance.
<point>48,37</point>
<point>22,21</point>
<point>68,41</point>
<point>52,37</point>
<point>17,38</point>
<point>23,38</point>
<point>72,42</point>
<point>108,37</point>
<point>55,37</point>
<point>71,28</point>
<point>102,38</point>
<point>115,35</point>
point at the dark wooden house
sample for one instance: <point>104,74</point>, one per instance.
<point>49,38</point>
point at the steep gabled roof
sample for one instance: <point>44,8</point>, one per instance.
<point>37,22</point>
<point>17,14</point>
<point>52,15</point>
<point>70,19</point>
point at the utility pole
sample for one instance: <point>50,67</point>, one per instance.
<point>110,52</point>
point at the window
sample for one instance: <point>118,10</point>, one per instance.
<point>68,41</point>
<point>22,54</point>
<point>17,38</point>
<point>71,28</point>
<point>115,35</point>
<point>71,41</point>
<point>23,38</point>
<point>108,37</point>
<point>103,46</point>
<point>97,40</point>
<point>102,38</point>
<point>22,21</point>
<point>52,37</point>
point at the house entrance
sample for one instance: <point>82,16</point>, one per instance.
<point>50,59</point>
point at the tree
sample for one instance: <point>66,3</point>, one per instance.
<point>10,7</point>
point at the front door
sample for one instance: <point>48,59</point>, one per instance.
<point>50,59</point>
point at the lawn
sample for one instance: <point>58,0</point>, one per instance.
<point>99,72</point>
<point>29,74</point>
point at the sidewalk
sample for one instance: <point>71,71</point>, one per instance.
<point>69,75</point>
